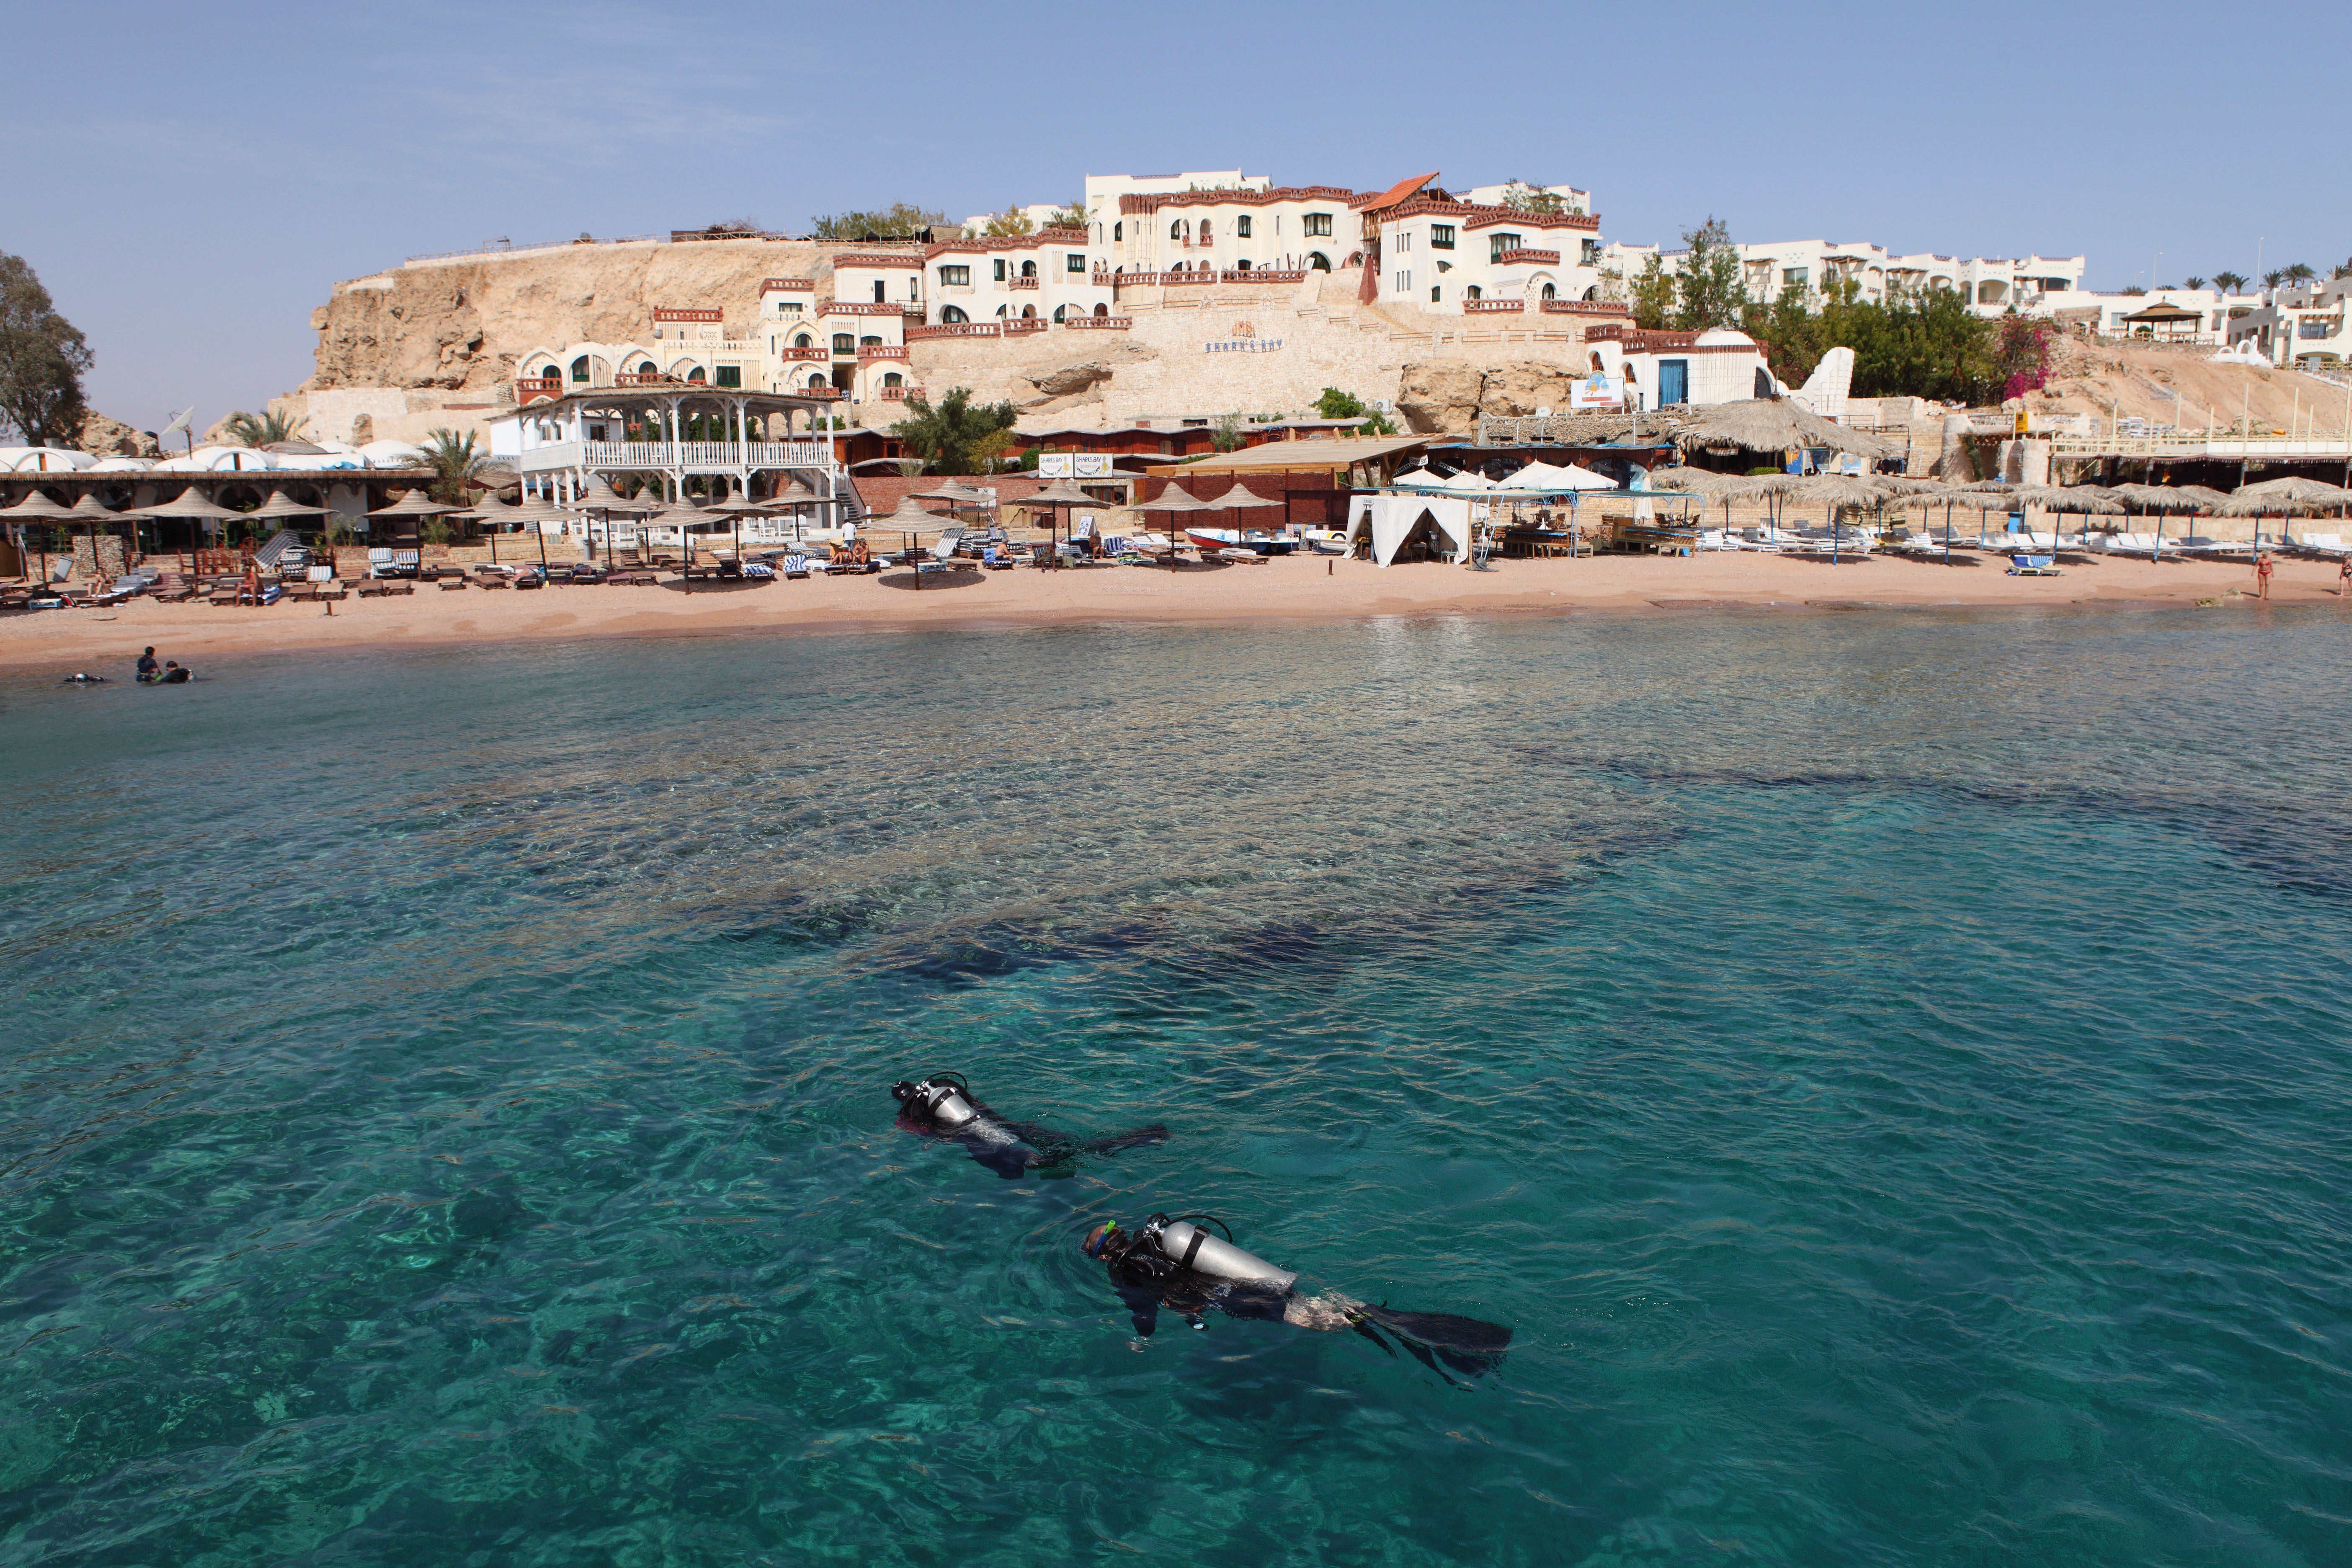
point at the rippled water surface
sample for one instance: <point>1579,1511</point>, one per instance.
<point>1890,1071</point>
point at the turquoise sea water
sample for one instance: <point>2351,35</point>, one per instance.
<point>1890,1072</point>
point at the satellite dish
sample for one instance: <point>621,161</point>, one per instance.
<point>179,420</point>
<point>1544,413</point>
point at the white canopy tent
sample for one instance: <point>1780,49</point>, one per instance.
<point>1540,478</point>
<point>1390,520</point>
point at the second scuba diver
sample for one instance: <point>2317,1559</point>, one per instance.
<point>943,1106</point>
<point>1179,1265</point>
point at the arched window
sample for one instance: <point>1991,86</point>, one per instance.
<point>580,368</point>
<point>843,343</point>
<point>1118,230</point>
<point>1204,231</point>
<point>894,379</point>
<point>801,341</point>
<point>1028,312</point>
<point>1550,292</point>
<point>645,367</point>
<point>950,315</point>
<point>1593,292</point>
<point>1101,310</point>
<point>1318,262</point>
<point>1028,269</point>
<point>1176,229</point>
<point>1474,292</point>
<point>1003,311</point>
<point>817,379</point>
<point>869,342</point>
<point>1060,314</point>
<point>695,374</point>
<point>1243,265</point>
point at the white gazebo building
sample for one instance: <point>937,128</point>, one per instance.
<point>757,444</point>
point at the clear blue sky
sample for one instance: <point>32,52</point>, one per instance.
<point>191,180</point>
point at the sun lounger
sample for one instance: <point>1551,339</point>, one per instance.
<point>796,566</point>
<point>2033,566</point>
<point>448,583</point>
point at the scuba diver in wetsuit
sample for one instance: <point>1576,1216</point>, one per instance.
<point>1179,1265</point>
<point>943,1106</point>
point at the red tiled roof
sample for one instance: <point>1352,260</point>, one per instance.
<point>1399,191</point>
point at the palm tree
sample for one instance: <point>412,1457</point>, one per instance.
<point>2300,272</point>
<point>2274,278</point>
<point>2228,282</point>
<point>247,431</point>
<point>2193,283</point>
<point>454,460</point>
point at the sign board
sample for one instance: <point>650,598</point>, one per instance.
<point>1073,465</point>
<point>1597,392</point>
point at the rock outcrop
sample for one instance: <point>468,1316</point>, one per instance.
<point>1446,396</point>
<point>104,438</point>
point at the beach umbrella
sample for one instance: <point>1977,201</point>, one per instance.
<point>1773,424</point>
<point>415,506</point>
<point>489,509</point>
<point>37,505</point>
<point>909,516</point>
<point>1240,499</point>
<point>1174,500</point>
<point>539,511</point>
<point>600,497</point>
<point>189,505</point>
<point>739,506</point>
<point>796,495</point>
<point>1058,495</point>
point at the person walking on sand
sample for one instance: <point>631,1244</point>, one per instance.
<point>2263,570</point>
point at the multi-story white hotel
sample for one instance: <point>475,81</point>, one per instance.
<point>1990,285</point>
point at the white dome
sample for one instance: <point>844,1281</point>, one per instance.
<point>1716,336</point>
<point>43,459</point>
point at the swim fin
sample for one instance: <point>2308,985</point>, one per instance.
<point>1467,1345</point>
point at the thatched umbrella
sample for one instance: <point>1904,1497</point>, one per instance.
<point>1240,499</point>
<point>37,505</point>
<point>415,506</point>
<point>796,495</point>
<point>191,506</point>
<point>1773,424</point>
<point>95,515</point>
<point>1174,500</point>
<point>490,510</point>
<point>1058,495</point>
<point>739,506</point>
<point>600,497</point>
<point>539,511</point>
<point>2291,497</point>
<point>1836,492</point>
<point>910,518</point>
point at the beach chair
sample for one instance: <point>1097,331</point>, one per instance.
<point>796,566</point>
<point>2033,566</point>
<point>451,580</point>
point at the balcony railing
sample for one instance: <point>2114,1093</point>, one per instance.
<point>881,350</point>
<point>1524,257</point>
<point>811,353</point>
<point>899,394</point>
<point>857,307</point>
<point>1101,323</point>
<point>1586,308</point>
<point>1493,307</point>
<point>787,285</point>
<point>954,330</point>
<point>539,390</point>
<point>657,378</point>
<point>1014,326</point>
<point>1018,282</point>
<point>610,454</point>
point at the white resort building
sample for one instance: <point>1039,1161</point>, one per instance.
<point>1991,286</point>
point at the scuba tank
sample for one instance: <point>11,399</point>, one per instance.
<point>943,1102</point>
<point>1190,1245</point>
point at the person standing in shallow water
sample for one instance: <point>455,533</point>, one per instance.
<point>2262,569</point>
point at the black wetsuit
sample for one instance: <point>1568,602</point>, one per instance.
<point>148,671</point>
<point>1148,1280</point>
<point>1013,1149</point>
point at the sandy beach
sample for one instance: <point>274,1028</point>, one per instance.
<point>1294,588</point>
